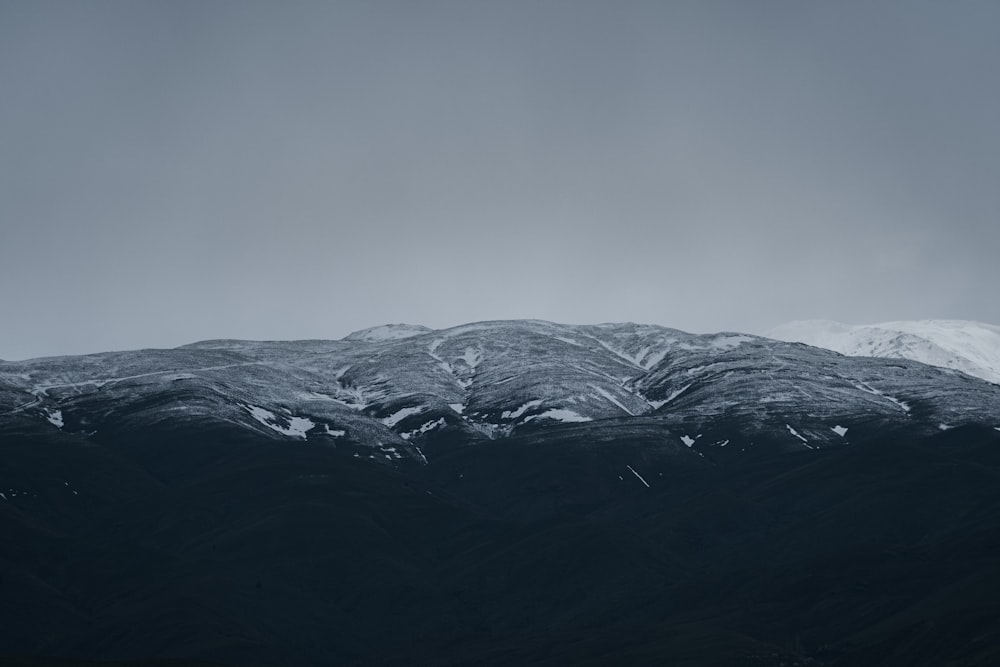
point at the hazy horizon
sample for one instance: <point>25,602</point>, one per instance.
<point>179,171</point>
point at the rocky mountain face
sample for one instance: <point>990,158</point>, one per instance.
<point>970,347</point>
<point>499,493</point>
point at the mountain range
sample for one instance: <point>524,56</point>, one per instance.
<point>510,492</point>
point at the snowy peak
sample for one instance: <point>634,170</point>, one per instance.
<point>970,347</point>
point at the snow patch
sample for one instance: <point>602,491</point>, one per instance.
<point>687,440</point>
<point>839,430</point>
<point>514,414</point>
<point>335,433</point>
<point>55,418</point>
<point>297,426</point>
<point>945,427</point>
<point>457,407</point>
<point>400,415</point>
<point>560,414</point>
<point>429,426</point>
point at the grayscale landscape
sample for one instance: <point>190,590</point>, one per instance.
<point>448,333</point>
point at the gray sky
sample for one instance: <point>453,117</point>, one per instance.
<point>175,171</point>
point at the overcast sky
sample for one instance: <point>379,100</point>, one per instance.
<point>176,171</point>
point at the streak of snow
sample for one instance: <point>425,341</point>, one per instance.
<point>334,433</point>
<point>606,394</point>
<point>654,359</point>
<point>659,404</point>
<point>631,359</point>
<point>423,458</point>
<point>799,436</point>
<point>795,433</point>
<point>864,386</point>
<point>571,341</point>
<point>637,475</point>
<point>514,414</point>
<point>945,427</point>
<point>560,414</point>
<point>457,407</point>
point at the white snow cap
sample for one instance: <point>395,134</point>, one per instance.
<point>970,347</point>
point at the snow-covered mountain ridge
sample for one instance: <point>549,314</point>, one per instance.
<point>970,347</point>
<point>402,394</point>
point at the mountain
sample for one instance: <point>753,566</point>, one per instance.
<point>402,393</point>
<point>970,347</point>
<point>514,492</point>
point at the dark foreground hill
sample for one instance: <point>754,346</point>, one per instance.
<point>158,518</point>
